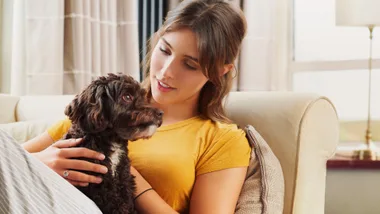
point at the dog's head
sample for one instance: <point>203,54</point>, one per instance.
<point>115,103</point>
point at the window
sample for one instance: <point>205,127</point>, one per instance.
<point>317,38</point>
<point>333,60</point>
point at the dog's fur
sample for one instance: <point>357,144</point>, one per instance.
<point>108,113</point>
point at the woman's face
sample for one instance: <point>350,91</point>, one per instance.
<point>175,74</point>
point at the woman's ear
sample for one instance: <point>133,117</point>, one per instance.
<point>226,68</point>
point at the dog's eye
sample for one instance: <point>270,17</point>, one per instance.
<point>127,98</point>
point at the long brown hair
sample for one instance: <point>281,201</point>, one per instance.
<point>220,29</point>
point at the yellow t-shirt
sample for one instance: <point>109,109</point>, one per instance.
<point>172,158</point>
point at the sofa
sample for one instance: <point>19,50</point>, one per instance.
<point>302,129</point>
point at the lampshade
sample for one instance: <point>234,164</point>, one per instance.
<point>357,12</point>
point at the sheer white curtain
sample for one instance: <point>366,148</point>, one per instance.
<point>59,46</point>
<point>5,47</point>
<point>265,50</point>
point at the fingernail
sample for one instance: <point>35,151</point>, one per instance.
<point>77,140</point>
<point>99,180</point>
<point>104,169</point>
<point>102,156</point>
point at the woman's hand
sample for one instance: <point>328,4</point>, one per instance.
<point>58,157</point>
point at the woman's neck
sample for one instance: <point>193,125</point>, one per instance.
<point>174,113</point>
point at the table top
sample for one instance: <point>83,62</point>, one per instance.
<point>347,162</point>
<point>343,158</point>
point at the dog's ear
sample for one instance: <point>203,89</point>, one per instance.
<point>72,109</point>
<point>97,115</point>
<point>88,109</point>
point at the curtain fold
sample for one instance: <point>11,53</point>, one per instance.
<point>151,17</point>
<point>61,45</point>
<point>264,55</point>
<point>6,19</point>
<point>100,37</point>
<point>3,39</point>
<point>58,48</point>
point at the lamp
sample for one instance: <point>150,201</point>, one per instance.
<point>363,13</point>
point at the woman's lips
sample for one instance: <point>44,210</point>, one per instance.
<point>164,87</point>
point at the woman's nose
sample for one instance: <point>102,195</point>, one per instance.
<point>168,68</point>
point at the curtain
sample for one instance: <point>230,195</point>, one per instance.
<point>1,45</point>
<point>151,17</point>
<point>172,4</point>
<point>59,46</point>
<point>264,56</point>
<point>5,47</point>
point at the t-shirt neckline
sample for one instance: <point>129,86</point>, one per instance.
<point>178,124</point>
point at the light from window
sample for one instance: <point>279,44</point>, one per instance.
<point>348,90</point>
<point>317,38</point>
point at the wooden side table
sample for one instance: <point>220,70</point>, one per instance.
<point>339,162</point>
<point>352,186</point>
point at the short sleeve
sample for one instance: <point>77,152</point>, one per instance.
<point>229,148</point>
<point>59,129</point>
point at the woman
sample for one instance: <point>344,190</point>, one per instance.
<point>196,162</point>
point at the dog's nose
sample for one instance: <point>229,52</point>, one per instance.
<point>160,113</point>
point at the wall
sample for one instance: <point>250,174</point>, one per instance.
<point>5,44</point>
<point>352,191</point>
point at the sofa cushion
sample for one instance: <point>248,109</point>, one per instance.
<point>42,107</point>
<point>263,189</point>
<point>26,130</point>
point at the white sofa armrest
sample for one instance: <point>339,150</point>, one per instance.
<point>8,105</point>
<point>28,116</point>
<point>302,129</point>
<point>42,107</point>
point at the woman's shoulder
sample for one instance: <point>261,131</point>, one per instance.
<point>218,131</point>
<point>218,126</point>
<point>223,145</point>
<point>57,130</point>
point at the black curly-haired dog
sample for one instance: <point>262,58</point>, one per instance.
<point>110,111</point>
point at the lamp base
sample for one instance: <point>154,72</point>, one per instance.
<point>365,154</point>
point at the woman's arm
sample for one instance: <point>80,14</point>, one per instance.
<point>38,143</point>
<point>59,157</point>
<point>150,201</point>
<point>217,192</point>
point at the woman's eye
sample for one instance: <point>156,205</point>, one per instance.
<point>190,67</point>
<point>164,51</point>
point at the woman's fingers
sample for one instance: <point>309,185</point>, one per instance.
<point>61,157</point>
<point>80,152</point>
<point>67,143</point>
<point>77,183</point>
<point>82,165</point>
<point>79,177</point>
<point>66,151</point>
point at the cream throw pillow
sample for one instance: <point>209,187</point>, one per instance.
<point>263,189</point>
<point>25,130</point>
